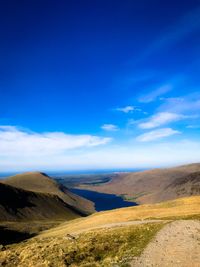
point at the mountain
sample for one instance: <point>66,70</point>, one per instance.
<point>155,185</point>
<point>41,183</point>
<point>36,196</point>
<point>21,205</point>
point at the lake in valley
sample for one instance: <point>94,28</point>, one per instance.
<point>103,201</point>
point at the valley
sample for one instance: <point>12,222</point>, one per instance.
<point>152,186</point>
<point>45,223</point>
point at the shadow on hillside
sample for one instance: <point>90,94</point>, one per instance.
<point>8,236</point>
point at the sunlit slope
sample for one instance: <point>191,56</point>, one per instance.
<point>188,185</point>
<point>179,208</point>
<point>40,182</point>
<point>152,186</point>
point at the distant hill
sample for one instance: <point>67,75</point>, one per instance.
<point>188,185</point>
<point>42,183</point>
<point>155,185</point>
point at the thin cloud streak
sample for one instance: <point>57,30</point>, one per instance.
<point>153,95</point>
<point>109,127</point>
<point>128,109</point>
<point>186,25</point>
<point>160,119</point>
<point>156,134</point>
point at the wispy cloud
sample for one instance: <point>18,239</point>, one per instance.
<point>186,25</point>
<point>154,94</point>
<point>156,134</point>
<point>160,119</point>
<point>188,103</point>
<point>128,109</point>
<point>110,127</point>
<point>193,126</point>
<point>14,142</point>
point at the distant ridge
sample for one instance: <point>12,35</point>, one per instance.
<point>155,185</point>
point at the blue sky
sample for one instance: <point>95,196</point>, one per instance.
<point>99,84</point>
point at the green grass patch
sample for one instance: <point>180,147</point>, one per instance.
<point>133,198</point>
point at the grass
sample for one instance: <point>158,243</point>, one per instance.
<point>107,245</point>
<point>14,232</point>
<point>178,208</point>
<point>104,247</point>
<point>31,227</point>
<point>185,217</point>
<point>133,198</point>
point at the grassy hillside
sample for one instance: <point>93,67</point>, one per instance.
<point>149,186</point>
<point>42,183</point>
<point>188,185</point>
<point>179,208</point>
<point>95,248</point>
<point>102,239</point>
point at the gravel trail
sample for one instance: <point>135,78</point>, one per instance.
<point>176,245</point>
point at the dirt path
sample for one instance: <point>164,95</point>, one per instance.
<point>176,245</point>
<point>120,224</point>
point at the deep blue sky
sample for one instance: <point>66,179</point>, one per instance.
<point>71,67</point>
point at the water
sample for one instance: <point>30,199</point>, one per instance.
<point>103,201</point>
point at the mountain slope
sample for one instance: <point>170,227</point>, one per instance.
<point>42,183</point>
<point>19,205</point>
<point>188,185</point>
<point>147,186</point>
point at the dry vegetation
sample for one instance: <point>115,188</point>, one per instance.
<point>152,186</point>
<point>97,240</point>
<point>184,207</point>
<point>95,248</point>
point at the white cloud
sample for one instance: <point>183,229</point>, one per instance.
<point>36,154</point>
<point>17,142</point>
<point>156,134</point>
<point>160,119</point>
<point>153,95</point>
<point>128,109</point>
<point>109,127</point>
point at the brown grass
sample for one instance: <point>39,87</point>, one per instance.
<point>105,246</point>
<point>94,248</point>
<point>176,208</point>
